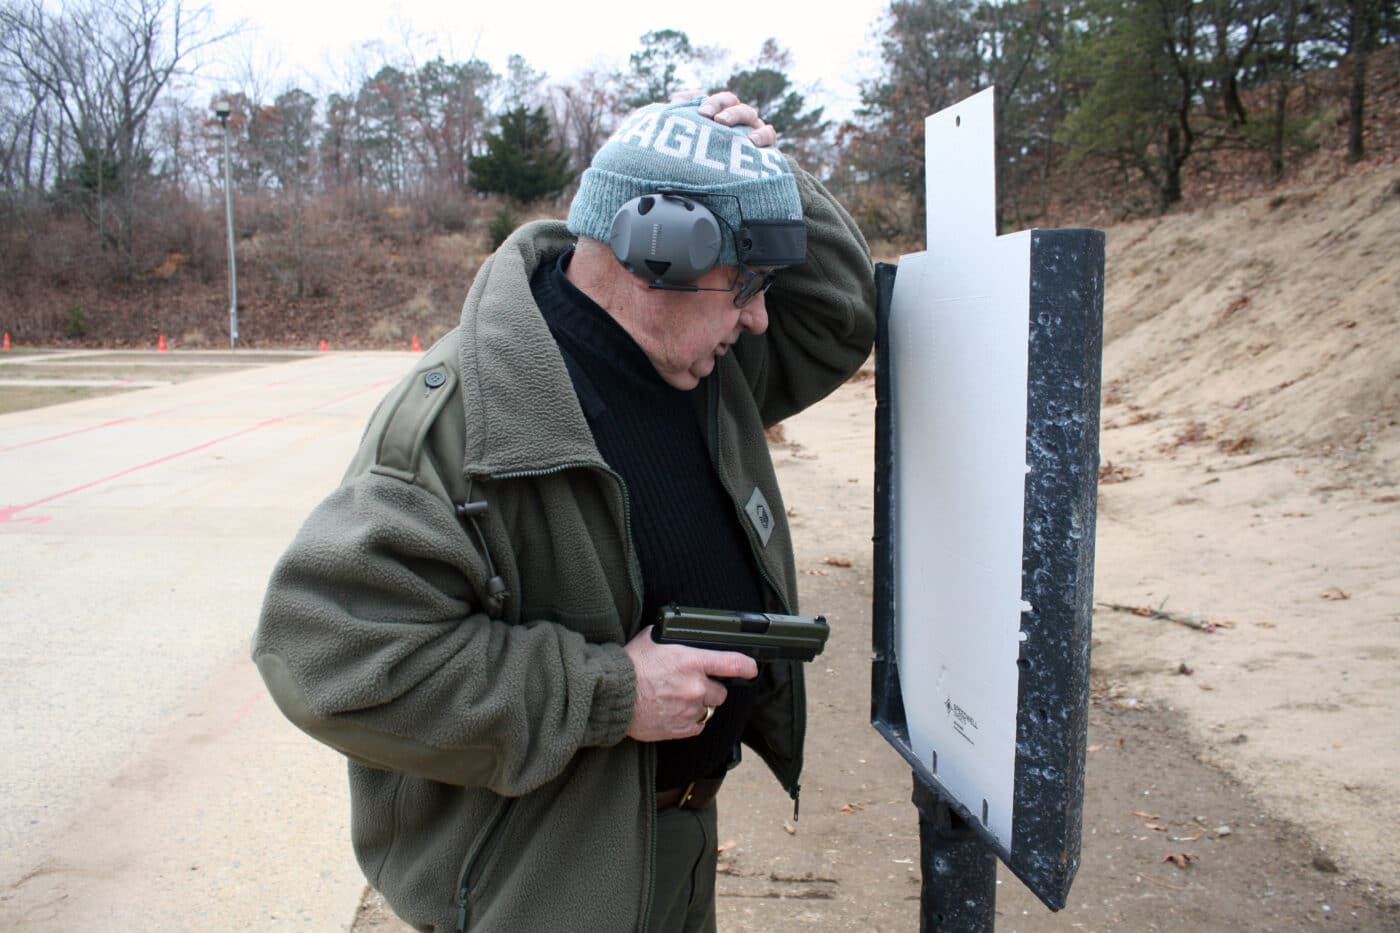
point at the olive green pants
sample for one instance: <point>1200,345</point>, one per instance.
<point>687,852</point>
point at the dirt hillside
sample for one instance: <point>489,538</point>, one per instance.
<point>1251,461</point>
<point>1273,321</point>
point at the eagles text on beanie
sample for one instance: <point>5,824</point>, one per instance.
<point>671,146</point>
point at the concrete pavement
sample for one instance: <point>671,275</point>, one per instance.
<point>149,783</point>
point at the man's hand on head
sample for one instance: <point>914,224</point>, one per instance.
<point>727,109</point>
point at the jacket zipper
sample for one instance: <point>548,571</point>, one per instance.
<point>464,887</point>
<point>648,793</point>
<point>634,580</point>
<point>793,787</point>
<point>742,515</point>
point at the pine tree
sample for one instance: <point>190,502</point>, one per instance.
<point>766,86</point>
<point>522,160</point>
<point>660,68</point>
<point>1141,66</point>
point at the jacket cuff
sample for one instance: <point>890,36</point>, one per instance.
<point>614,697</point>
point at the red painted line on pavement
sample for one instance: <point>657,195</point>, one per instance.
<point>248,707</point>
<point>116,421</point>
<point>218,732</point>
<point>92,427</point>
<point>8,514</point>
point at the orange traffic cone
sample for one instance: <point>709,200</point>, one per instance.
<point>323,344</point>
<point>5,345</point>
<point>160,345</point>
<point>417,348</point>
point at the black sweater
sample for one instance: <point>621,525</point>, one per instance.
<point>686,532</point>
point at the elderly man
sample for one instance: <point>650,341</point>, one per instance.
<point>467,616</point>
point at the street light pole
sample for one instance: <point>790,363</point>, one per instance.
<point>221,108</point>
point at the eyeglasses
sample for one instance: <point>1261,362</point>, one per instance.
<point>747,284</point>
<point>750,284</point>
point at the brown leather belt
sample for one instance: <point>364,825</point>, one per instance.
<point>694,796</point>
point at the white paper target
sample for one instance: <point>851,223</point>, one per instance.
<point>958,341</point>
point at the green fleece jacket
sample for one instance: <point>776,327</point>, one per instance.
<point>492,783</point>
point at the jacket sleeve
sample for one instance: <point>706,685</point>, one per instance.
<point>371,640</point>
<point>821,314</point>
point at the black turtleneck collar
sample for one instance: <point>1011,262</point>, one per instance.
<point>596,348</point>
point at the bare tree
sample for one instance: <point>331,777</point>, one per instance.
<point>104,64</point>
<point>294,131</point>
<point>29,130</point>
<point>1282,57</point>
<point>448,113</point>
<point>1360,23</point>
<point>583,114</point>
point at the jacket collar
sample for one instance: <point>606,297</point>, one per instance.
<point>519,403</point>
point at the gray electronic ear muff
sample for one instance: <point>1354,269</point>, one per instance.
<point>667,238</point>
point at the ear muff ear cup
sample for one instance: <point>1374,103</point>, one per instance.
<point>665,238</point>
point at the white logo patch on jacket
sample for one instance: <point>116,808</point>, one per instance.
<point>760,515</point>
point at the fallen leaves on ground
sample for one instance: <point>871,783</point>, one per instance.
<point>837,561</point>
<point>851,807</point>
<point>1115,473</point>
<point>1179,859</point>
<point>1236,447</point>
<point>1234,306</point>
<point>1336,593</point>
<point>1194,432</point>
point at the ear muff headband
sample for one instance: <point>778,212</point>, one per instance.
<point>666,238</point>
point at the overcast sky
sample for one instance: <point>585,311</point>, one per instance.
<point>327,44</point>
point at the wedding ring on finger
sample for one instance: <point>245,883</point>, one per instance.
<point>709,712</point>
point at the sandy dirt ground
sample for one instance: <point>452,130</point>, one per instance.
<point>1243,757</point>
<point>1273,840</point>
<point>1250,416</point>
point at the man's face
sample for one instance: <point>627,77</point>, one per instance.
<point>699,327</point>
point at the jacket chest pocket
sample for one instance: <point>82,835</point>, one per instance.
<point>567,556</point>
